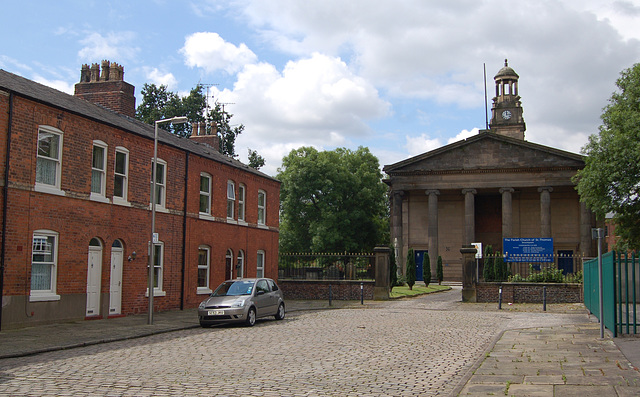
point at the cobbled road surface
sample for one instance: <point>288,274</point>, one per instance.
<point>413,347</point>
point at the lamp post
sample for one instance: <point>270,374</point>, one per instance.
<point>152,241</point>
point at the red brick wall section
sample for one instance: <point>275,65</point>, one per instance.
<point>529,292</point>
<point>340,290</point>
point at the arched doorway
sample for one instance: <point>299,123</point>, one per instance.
<point>94,275</point>
<point>115,286</point>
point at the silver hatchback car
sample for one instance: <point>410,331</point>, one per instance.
<point>242,300</point>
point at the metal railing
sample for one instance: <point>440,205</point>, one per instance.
<point>562,269</point>
<point>326,266</point>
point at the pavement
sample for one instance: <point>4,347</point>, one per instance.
<point>563,360</point>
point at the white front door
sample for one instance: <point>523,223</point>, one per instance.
<point>94,272</point>
<point>115,289</point>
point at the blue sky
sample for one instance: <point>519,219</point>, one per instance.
<point>401,77</point>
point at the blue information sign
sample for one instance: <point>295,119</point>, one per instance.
<point>528,249</point>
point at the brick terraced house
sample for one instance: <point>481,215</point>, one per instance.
<point>76,221</point>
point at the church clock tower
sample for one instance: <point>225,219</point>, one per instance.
<point>506,110</point>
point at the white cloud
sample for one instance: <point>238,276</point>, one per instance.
<point>421,144</point>
<point>115,45</point>
<point>464,134</point>
<point>209,51</point>
<point>157,77</point>
<point>60,85</point>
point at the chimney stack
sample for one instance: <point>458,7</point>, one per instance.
<point>107,89</point>
<point>199,134</point>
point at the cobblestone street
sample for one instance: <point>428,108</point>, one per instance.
<point>422,346</point>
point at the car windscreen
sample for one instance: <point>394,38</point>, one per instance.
<point>234,288</point>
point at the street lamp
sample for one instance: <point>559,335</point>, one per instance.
<point>153,240</point>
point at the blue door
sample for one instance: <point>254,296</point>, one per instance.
<point>419,255</point>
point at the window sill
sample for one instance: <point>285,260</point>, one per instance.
<point>204,291</point>
<point>206,217</point>
<point>262,226</point>
<point>159,208</point>
<point>99,198</point>
<point>121,201</point>
<point>232,221</point>
<point>243,223</point>
<point>44,297</point>
<point>38,187</point>
<point>156,292</point>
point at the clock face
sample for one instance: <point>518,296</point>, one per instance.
<point>506,115</point>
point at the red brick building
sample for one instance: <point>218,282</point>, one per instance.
<point>76,220</point>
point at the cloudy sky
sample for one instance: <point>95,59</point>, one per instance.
<point>400,76</point>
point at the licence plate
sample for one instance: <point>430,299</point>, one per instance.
<point>215,312</point>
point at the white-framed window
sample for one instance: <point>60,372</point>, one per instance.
<point>241,198</point>
<point>98,170</point>
<point>49,160</point>
<point>161,182</point>
<point>229,264</point>
<point>44,266</point>
<point>121,174</point>
<point>240,264</point>
<point>260,264</point>
<point>204,255</point>
<point>262,207</point>
<point>205,193</point>
<point>158,269</point>
<point>231,199</point>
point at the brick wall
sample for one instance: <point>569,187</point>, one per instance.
<point>340,290</point>
<point>529,292</point>
<point>77,219</point>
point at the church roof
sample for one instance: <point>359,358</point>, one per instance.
<point>486,151</point>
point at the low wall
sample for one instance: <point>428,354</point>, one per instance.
<point>529,292</point>
<point>340,289</point>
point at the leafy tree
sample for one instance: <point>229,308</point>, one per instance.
<point>393,268</point>
<point>411,269</point>
<point>488,272</point>
<point>159,103</point>
<point>610,180</point>
<point>332,201</point>
<point>500,267</point>
<point>426,270</point>
<point>255,160</point>
<point>439,271</point>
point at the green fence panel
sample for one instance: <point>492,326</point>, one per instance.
<point>592,290</point>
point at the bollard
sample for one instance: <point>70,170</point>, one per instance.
<point>500,299</point>
<point>329,294</point>
<point>544,298</point>
<point>361,294</point>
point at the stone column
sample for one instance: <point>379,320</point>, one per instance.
<point>396,237</point>
<point>545,211</point>
<point>468,273</point>
<point>585,230</point>
<point>433,229</point>
<point>469,216</point>
<point>383,277</point>
<point>507,212</point>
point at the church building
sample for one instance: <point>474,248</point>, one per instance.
<point>486,188</point>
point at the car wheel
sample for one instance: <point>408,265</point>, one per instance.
<point>281,312</point>
<point>251,317</point>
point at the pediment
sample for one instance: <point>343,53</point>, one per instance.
<point>487,151</point>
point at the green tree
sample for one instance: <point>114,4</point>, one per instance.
<point>500,267</point>
<point>411,269</point>
<point>426,270</point>
<point>255,160</point>
<point>610,180</point>
<point>488,272</point>
<point>160,103</point>
<point>332,201</point>
<point>439,270</point>
<point>393,268</point>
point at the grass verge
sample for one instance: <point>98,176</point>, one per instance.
<point>404,291</point>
